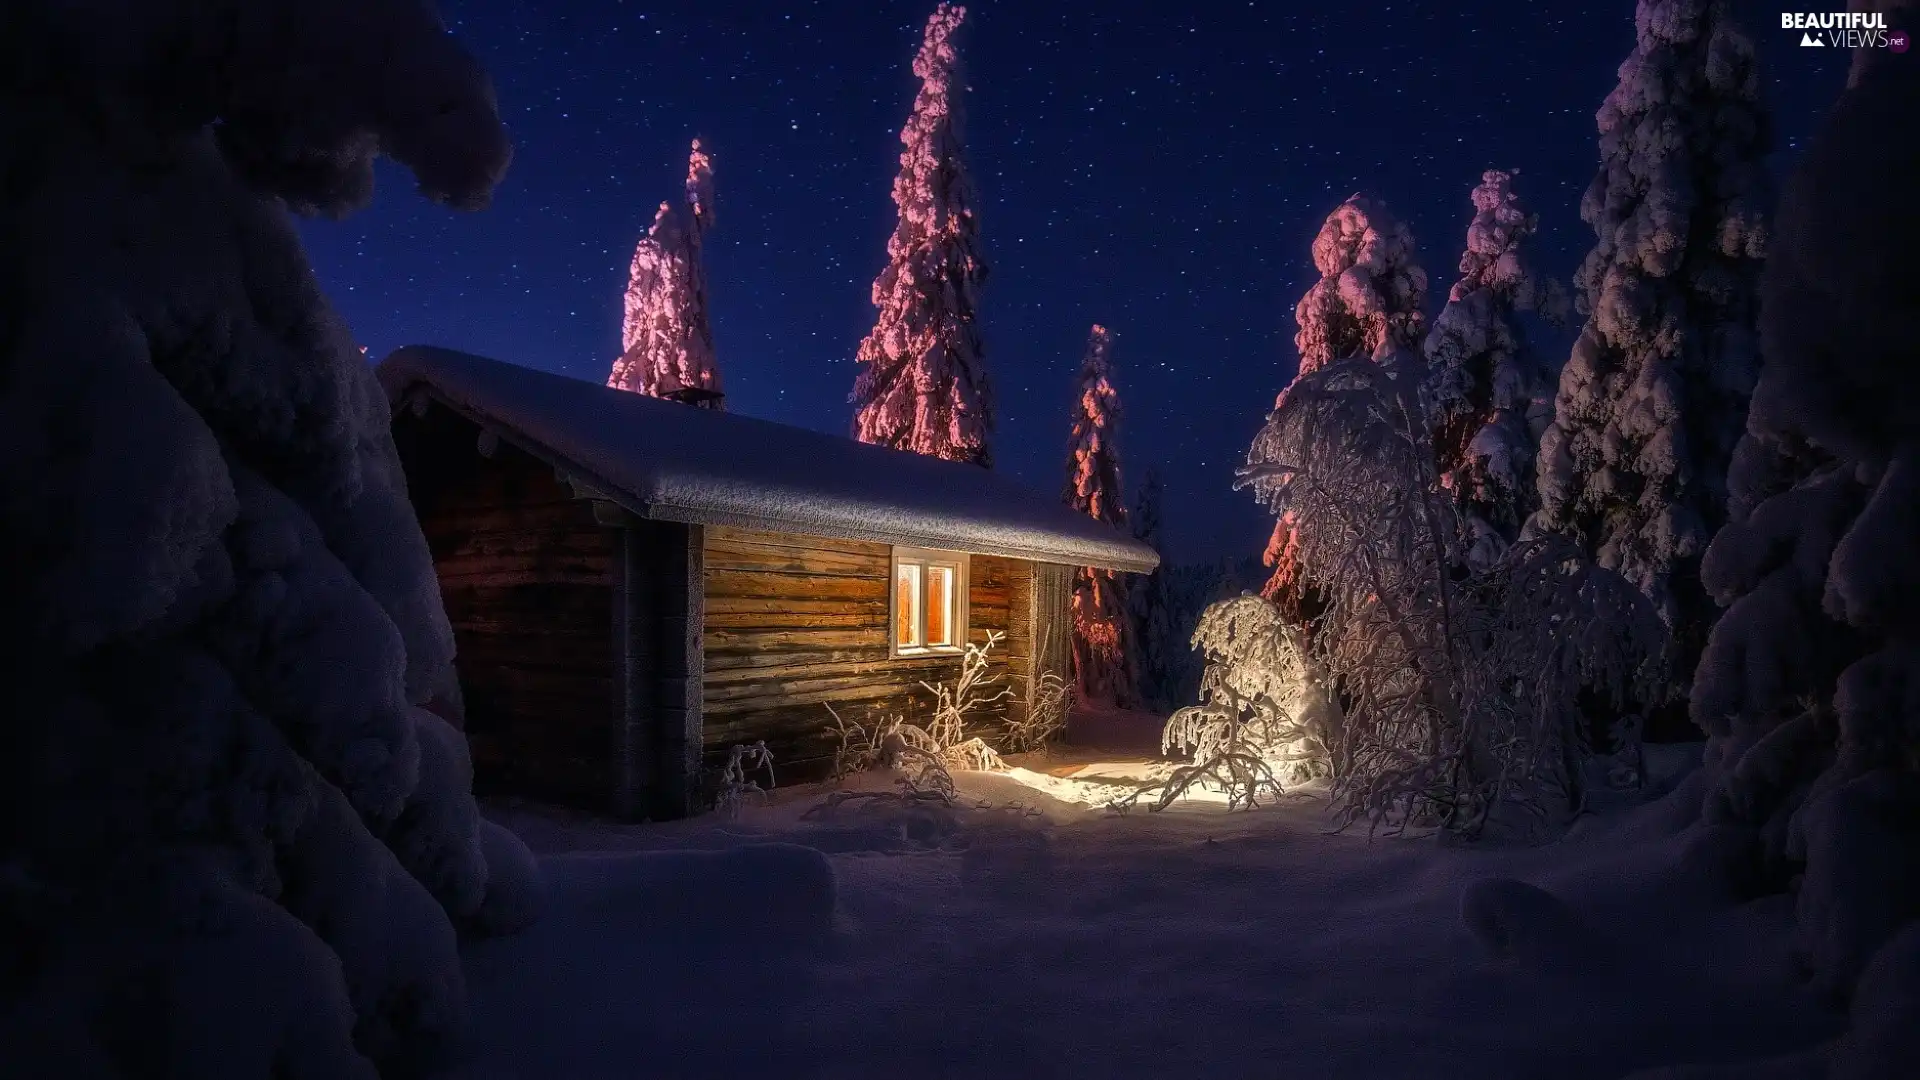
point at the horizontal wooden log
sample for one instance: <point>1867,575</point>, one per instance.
<point>723,640</point>
<point>791,560</point>
<point>727,535</point>
<point>875,664</point>
<point>862,690</point>
<point>754,605</point>
<point>791,621</point>
<point>718,661</point>
<point>767,586</point>
<point>988,596</point>
<point>721,692</point>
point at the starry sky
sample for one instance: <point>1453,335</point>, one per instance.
<point>1159,167</point>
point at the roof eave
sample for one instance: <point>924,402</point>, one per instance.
<point>654,510</point>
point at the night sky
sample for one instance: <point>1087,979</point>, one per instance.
<point>1158,167</point>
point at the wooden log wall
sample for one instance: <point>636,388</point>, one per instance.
<point>794,624</point>
<point>527,577</point>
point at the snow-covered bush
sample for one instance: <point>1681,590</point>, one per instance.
<point>1490,391</point>
<point>1459,685</point>
<point>735,785</point>
<point>1369,302</point>
<point>1103,644</point>
<point>666,342</point>
<point>1048,704</point>
<point>240,835</point>
<point>923,379</point>
<point>1809,687</point>
<point>1267,716</point>
<point>941,742</point>
<point>1654,395</point>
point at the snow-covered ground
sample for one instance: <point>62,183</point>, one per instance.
<point>1038,934</point>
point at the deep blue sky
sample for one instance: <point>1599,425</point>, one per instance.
<point>1160,167</point>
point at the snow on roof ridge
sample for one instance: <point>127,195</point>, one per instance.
<point>662,459</point>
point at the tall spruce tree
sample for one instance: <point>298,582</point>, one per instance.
<point>666,342</point>
<point>1368,302</point>
<point>1654,396</point>
<point>1491,392</point>
<point>1103,646</point>
<point>923,382</point>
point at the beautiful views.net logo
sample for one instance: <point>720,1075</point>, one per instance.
<point>1844,30</point>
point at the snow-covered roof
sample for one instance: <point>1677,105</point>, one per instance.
<point>663,460</point>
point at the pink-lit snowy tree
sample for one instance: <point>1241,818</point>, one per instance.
<point>1490,392</point>
<point>666,342</point>
<point>1368,303</point>
<point>1103,646</point>
<point>1654,395</point>
<point>923,382</point>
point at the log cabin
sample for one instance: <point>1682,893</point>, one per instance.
<point>637,585</point>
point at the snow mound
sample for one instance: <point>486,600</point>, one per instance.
<point>759,890</point>
<point>1514,920</point>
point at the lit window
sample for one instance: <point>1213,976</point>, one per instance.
<point>929,602</point>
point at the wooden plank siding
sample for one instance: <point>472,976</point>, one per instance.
<point>527,578</point>
<point>797,623</point>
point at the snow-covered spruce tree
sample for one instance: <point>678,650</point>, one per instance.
<point>1459,684</point>
<point>923,379</point>
<point>238,836</point>
<point>665,340</point>
<point>1369,302</point>
<point>1491,392</point>
<point>1103,644</point>
<point>1157,641</point>
<point>1654,395</point>
<point>1809,687</point>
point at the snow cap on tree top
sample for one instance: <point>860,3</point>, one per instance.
<point>936,59</point>
<point>699,187</point>
<point>1369,299</point>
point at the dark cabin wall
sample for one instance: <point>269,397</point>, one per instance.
<point>796,623</point>
<point>527,576</point>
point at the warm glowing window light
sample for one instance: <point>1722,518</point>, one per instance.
<point>929,605</point>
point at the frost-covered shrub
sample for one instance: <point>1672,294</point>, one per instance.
<point>1266,719</point>
<point>1654,395</point>
<point>1369,302</point>
<point>239,830</point>
<point>1491,392</point>
<point>940,741</point>
<point>1459,684</point>
<point>666,342</point>
<point>1809,687</point>
<point>923,379</point>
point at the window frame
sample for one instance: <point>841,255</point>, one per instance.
<point>961,603</point>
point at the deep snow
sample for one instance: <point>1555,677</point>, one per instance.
<point>1039,936</point>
